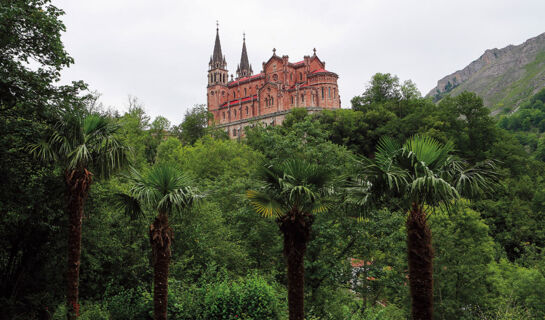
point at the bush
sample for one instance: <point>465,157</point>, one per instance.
<point>89,311</point>
<point>129,304</point>
<point>252,298</point>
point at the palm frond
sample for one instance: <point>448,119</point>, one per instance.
<point>426,151</point>
<point>292,183</point>
<point>130,205</point>
<point>43,150</point>
<point>477,179</point>
<point>164,188</point>
<point>264,204</point>
<point>422,170</point>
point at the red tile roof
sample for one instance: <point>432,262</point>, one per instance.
<point>320,70</point>
<point>246,78</point>
<point>358,263</point>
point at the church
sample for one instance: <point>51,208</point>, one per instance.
<point>268,96</point>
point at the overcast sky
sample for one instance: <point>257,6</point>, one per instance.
<point>159,50</point>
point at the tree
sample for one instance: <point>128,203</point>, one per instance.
<point>293,192</point>
<point>468,124</point>
<point>31,31</point>
<point>81,144</point>
<point>383,87</point>
<point>195,124</point>
<point>422,174</point>
<point>164,189</point>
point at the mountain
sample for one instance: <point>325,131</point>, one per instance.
<point>502,77</point>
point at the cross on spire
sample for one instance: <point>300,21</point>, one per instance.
<point>217,25</point>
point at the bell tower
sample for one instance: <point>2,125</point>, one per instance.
<point>217,78</point>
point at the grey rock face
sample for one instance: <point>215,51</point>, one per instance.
<point>502,77</point>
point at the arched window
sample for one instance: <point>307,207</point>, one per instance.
<point>291,100</point>
<point>322,92</point>
<point>246,110</point>
<point>291,76</point>
<point>234,95</point>
<point>235,113</point>
<point>302,98</point>
<point>300,76</point>
<point>245,92</point>
<point>334,93</point>
<point>329,94</point>
<point>235,132</point>
<point>272,101</point>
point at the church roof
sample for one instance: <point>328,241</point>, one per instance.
<point>245,79</point>
<point>315,72</point>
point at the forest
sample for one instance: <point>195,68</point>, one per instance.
<point>115,215</point>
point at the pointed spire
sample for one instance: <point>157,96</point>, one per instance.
<point>218,60</point>
<point>244,68</point>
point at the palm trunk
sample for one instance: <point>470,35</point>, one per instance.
<point>77,183</point>
<point>296,228</point>
<point>160,238</point>
<point>420,256</point>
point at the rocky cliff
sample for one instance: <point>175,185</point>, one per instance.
<point>502,77</point>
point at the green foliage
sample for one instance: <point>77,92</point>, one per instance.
<point>530,116</point>
<point>128,304</point>
<point>139,136</point>
<point>292,184</point>
<point>89,311</point>
<point>464,252</point>
<point>383,87</point>
<point>468,125</point>
<point>250,299</point>
<point>163,188</point>
<point>196,125</point>
<point>209,159</point>
<point>83,141</point>
<point>422,171</point>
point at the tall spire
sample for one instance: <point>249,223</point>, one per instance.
<point>217,60</point>
<point>244,68</point>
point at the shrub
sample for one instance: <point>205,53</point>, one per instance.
<point>252,298</point>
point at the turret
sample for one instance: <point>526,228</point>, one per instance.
<point>218,77</point>
<point>217,67</point>
<point>244,69</point>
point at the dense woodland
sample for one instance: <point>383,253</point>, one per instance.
<point>228,259</point>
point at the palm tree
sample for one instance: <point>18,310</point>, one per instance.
<point>83,145</point>
<point>163,189</point>
<point>293,192</point>
<point>423,174</point>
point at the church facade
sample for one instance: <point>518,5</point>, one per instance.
<point>268,96</point>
